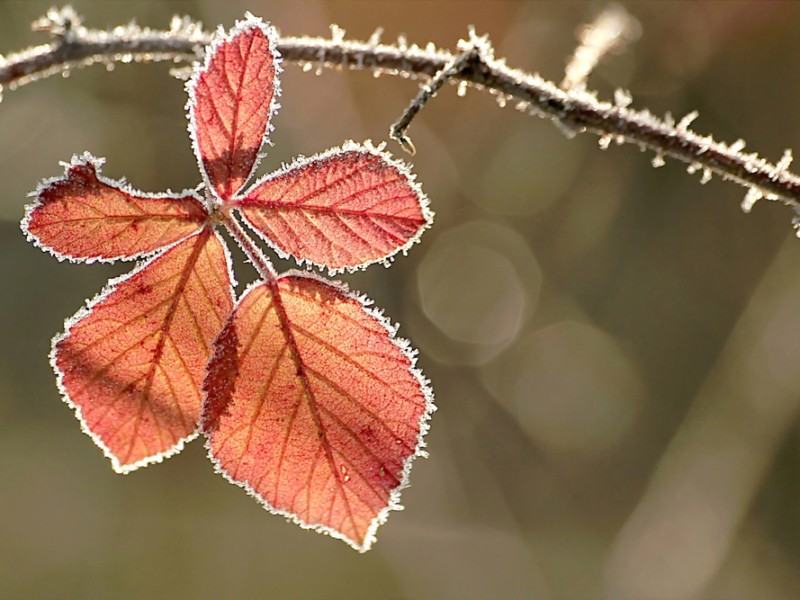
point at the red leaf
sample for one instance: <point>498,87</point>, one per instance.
<point>314,407</point>
<point>83,216</point>
<point>133,361</point>
<point>344,208</point>
<point>231,99</point>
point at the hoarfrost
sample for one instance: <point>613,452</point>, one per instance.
<point>337,34</point>
<point>753,196</point>
<point>784,163</point>
<point>185,26</point>
<point>622,98</point>
<point>737,146</point>
<point>375,38</point>
<point>686,121</point>
<point>750,164</point>
<point>706,142</point>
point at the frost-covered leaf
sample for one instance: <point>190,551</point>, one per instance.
<point>132,363</point>
<point>314,407</point>
<point>306,397</point>
<point>84,216</point>
<point>231,98</point>
<point>345,208</point>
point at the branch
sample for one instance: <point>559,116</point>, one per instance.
<point>574,110</point>
<point>454,68</point>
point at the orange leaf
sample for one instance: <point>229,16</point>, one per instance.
<point>83,216</point>
<point>314,407</point>
<point>231,99</point>
<point>133,361</point>
<point>347,207</point>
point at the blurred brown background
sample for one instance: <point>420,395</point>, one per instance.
<point>614,348</point>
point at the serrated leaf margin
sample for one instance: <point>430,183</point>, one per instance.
<point>86,158</point>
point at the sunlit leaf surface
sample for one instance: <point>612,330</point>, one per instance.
<point>345,208</point>
<point>132,363</point>
<point>83,216</point>
<point>230,105</point>
<point>314,406</point>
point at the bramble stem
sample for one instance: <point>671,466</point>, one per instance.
<point>574,110</point>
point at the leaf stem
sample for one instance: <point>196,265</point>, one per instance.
<point>254,253</point>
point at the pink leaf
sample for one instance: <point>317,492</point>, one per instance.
<point>231,99</point>
<point>345,208</point>
<point>305,395</point>
<point>132,363</point>
<point>314,407</point>
<point>83,216</point>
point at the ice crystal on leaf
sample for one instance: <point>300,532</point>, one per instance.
<point>306,397</point>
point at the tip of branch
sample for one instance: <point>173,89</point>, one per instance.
<point>405,142</point>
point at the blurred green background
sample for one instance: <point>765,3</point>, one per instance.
<point>614,348</point>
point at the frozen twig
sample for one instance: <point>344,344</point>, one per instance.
<point>398,129</point>
<point>76,46</point>
<point>574,110</point>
